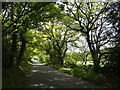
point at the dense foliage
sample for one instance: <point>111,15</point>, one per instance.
<point>49,31</point>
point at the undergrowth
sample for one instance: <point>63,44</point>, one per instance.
<point>15,78</point>
<point>83,73</point>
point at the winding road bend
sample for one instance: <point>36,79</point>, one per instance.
<point>42,76</point>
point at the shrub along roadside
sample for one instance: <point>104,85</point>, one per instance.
<point>15,78</point>
<point>103,79</point>
<point>12,79</point>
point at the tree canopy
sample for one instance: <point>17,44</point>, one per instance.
<point>29,28</point>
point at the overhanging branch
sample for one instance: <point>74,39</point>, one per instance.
<point>81,30</point>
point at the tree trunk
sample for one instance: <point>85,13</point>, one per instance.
<point>14,42</point>
<point>13,49</point>
<point>94,54</point>
<point>96,61</point>
<point>22,49</point>
<point>85,60</point>
<point>61,60</point>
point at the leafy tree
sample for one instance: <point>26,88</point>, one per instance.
<point>75,56</point>
<point>88,18</point>
<point>83,50</point>
<point>18,19</point>
<point>113,14</point>
<point>57,37</point>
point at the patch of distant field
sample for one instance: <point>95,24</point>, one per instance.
<point>79,63</point>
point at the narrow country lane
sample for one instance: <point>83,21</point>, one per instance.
<point>42,76</point>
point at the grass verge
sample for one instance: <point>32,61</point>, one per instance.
<point>84,73</point>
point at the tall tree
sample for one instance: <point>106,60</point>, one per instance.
<point>18,19</point>
<point>113,15</point>
<point>88,18</point>
<point>59,36</point>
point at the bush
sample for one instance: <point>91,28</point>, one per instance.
<point>15,78</point>
<point>12,79</point>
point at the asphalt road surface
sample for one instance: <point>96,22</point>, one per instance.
<point>42,76</point>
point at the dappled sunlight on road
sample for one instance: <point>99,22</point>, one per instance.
<point>35,70</point>
<point>46,77</point>
<point>42,85</point>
